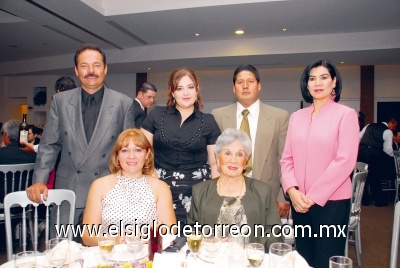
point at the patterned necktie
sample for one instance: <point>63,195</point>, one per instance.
<point>246,128</point>
<point>89,122</point>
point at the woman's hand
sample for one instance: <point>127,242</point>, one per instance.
<point>300,201</point>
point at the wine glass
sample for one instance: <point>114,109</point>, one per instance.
<point>25,259</point>
<point>340,262</point>
<point>255,254</point>
<point>57,251</point>
<point>276,252</point>
<point>106,245</point>
<point>211,242</point>
<point>195,241</point>
<point>134,244</point>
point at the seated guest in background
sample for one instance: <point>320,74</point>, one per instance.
<point>144,99</point>
<point>183,139</point>
<point>33,135</point>
<point>130,193</point>
<point>10,154</point>
<point>320,153</point>
<point>64,83</point>
<point>233,198</point>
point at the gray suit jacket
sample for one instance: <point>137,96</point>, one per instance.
<point>270,141</point>
<point>80,162</point>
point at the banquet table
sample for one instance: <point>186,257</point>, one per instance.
<point>92,258</point>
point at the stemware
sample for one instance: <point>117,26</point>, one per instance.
<point>276,252</point>
<point>340,262</point>
<point>195,242</point>
<point>134,244</point>
<point>106,245</point>
<point>25,259</point>
<point>211,243</point>
<point>57,251</point>
<point>255,254</point>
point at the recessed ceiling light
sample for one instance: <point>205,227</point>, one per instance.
<point>149,68</point>
<point>284,29</point>
<point>342,62</point>
<point>239,32</point>
<point>197,34</point>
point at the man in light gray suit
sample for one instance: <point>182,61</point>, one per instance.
<point>84,122</point>
<point>268,127</point>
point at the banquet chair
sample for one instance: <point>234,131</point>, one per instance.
<point>397,182</point>
<point>395,236</point>
<point>358,182</point>
<point>16,177</point>
<point>55,197</point>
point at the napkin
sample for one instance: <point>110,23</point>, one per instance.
<point>74,248</point>
<point>167,240</point>
<point>292,259</point>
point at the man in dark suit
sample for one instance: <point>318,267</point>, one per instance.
<point>84,122</point>
<point>144,99</point>
<point>268,126</point>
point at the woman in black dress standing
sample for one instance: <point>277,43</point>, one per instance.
<point>183,139</point>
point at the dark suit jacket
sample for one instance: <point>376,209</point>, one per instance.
<point>258,204</point>
<point>270,141</point>
<point>80,162</point>
<point>140,115</point>
<point>11,155</point>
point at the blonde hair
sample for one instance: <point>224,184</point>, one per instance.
<point>140,140</point>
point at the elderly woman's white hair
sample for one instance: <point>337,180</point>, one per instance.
<point>230,135</point>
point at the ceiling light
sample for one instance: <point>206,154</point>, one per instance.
<point>149,68</point>
<point>197,34</point>
<point>342,62</point>
<point>284,29</point>
<point>239,32</point>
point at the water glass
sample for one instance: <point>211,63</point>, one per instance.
<point>340,262</point>
<point>277,251</point>
<point>134,244</point>
<point>25,259</point>
<point>255,253</point>
<point>211,243</point>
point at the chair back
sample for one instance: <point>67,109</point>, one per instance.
<point>358,183</point>
<point>55,197</point>
<point>14,178</point>
<point>360,166</point>
<point>395,236</point>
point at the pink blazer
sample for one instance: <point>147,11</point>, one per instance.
<point>320,152</point>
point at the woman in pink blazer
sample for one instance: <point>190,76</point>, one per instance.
<point>320,153</point>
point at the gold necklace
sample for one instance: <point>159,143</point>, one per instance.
<point>237,199</point>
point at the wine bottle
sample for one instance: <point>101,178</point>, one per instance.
<point>23,132</point>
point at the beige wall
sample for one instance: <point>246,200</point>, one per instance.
<point>280,87</point>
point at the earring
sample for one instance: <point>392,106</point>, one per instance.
<point>333,94</point>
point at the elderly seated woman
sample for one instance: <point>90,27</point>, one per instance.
<point>130,193</point>
<point>233,198</point>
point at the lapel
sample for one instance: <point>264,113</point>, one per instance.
<point>264,136</point>
<point>75,116</point>
<point>229,117</point>
<point>106,114</point>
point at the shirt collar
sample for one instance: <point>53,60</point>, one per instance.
<point>136,99</point>
<point>252,108</point>
<point>324,107</point>
<point>173,110</point>
<point>386,124</point>
<point>98,95</point>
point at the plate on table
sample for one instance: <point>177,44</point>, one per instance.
<point>122,254</point>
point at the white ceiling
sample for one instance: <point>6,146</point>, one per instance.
<point>41,36</point>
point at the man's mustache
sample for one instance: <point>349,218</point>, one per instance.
<point>91,75</point>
